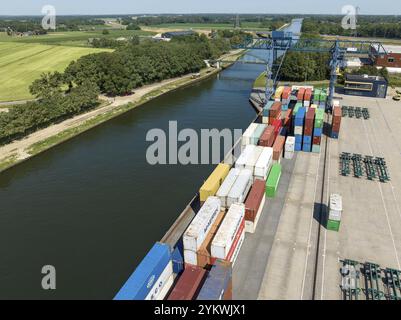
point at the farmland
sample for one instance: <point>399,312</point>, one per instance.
<point>22,63</point>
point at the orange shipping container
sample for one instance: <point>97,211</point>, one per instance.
<point>278,147</point>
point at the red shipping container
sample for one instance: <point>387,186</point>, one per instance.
<point>237,238</point>
<point>316,140</point>
<point>308,95</point>
<point>189,284</point>
<point>301,93</point>
<point>275,110</point>
<point>336,128</point>
<point>337,112</point>
<point>278,147</point>
<point>254,199</point>
<point>267,137</point>
<point>286,93</point>
<point>310,115</point>
<point>308,131</point>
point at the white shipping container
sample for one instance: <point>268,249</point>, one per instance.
<point>264,163</point>
<point>159,283</point>
<point>225,188</point>
<point>224,238</point>
<point>299,130</point>
<point>289,155</point>
<point>336,103</point>
<point>306,103</point>
<point>238,248</point>
<point>290,144</point>
<point>243,158</point>
<point>335,207</point>
<point>246,137</point>
<point>265,120</point>
<point>250,226</point>
<point>335,215</point>
<point>200,226</point>
<point>166,288</point>
<point>190,257</point>
<point>241,187</point>
<point>253,159</point>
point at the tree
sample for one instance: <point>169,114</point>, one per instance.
<point>105,32</point>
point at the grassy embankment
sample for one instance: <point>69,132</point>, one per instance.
<point>260,82</point>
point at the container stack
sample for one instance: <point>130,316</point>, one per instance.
<point>286,98</point>
<point>335,128</point>
<point>259,129</point>
<point>289,148</point>
<point>240,188</point>
<point>278,94</point>
<point>300,95</point>
<point>277,124</point>
<point>299,128</point>
<point>266,112</point>
<point>248,134</point>
<point>226,186</point>
<point>189,284</point>
<point>287,121</point>
<point>267,138</point>
<point>323,98</point>
<point>152,279</point>
<point>318,130</point>
<point>335,212</point>
<point>264,164</point>
<point>316,96</point>
<point>228,241</point>
<point>198,231</point>
<point>275,112</point>
<point>218,283</point>
<point>308,130</point>
<point>254,205</point>
<point>213,183</point>
<point>273,181</point>
<point>307,97</point>
<point>278,149</point>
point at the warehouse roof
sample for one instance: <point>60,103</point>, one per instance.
<point>363,78</point>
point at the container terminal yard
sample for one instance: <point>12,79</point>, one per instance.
<point>325,223</point>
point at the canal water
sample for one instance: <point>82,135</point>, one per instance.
<point>92,207</point>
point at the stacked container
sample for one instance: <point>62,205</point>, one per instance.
<point>286,98</point>
<point>316,96</point>
<point>278,94</point>
<point>214,182</point>
<point>263,166</point>
<point>244,157</point>
<point>335,212</point>
<point>287,121</point>
<point>318,130</point>
<point>275,112</point>
<point>253,159</point>
<point>231,234</point>
<point>260,128</point>
<point>248,134</point>
<point>152,279</point>
<point>241,187</point>
<point>266,112</point>
<point>307,97</point>
<point>335,128</point>
<point>225,188</point>
<point>218,283</point>
<point>267,138</point>
<point>289,149</point>
<point>299,128</point>
<point>189,284</point>
<point>278,148</point>
<point>254,205</point>
<point>300,95</point>
<point>273,180</point>
<point>308,130</point>
<point>199,228</point>
<point>323,97</point>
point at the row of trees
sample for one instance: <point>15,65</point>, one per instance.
<point>62,95</point>
<point>113,43</point>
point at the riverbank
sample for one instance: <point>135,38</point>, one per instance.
<point>40,141</point>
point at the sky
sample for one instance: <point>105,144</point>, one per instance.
<point>97,7</point>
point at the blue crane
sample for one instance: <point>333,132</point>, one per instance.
<point>283,42</point>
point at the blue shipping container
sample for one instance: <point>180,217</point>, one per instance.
<point>298,138</point>
<point>317,132</point>
<point>178,261</point>
<point>283,131</point>
<point>216,282</point>
<point>334,135</point>
<point>149,270</point>
<point>307,140</point>
<point>298,146</point>
<point>306,147</point>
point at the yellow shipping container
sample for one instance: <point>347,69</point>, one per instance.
<point>213,183</point>
<point>314,106</point>
<point>279,92</point>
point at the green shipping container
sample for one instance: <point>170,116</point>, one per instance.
<point>323,96</point>
<point>333,225</point>
<point>316,95</point>
<point>273,180</point>
<point>319,118</point>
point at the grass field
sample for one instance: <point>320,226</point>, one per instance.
<point>22,63</point>
<point>206,26</point>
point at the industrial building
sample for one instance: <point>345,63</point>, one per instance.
<point>365,85</point>
<point>391,60</point>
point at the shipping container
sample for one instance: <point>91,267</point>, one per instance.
<point>241,187</point>
<point>236,248</point>
<point>217,282</point>
<point>308,131</point>
<point>162,285</point>
<point>315,148</point>
<point>178,260</point>
<point>278,93</point>
<point>290,144</point>
<point>244,156</point>
<point>264,163</point>
<point>266,109</point>
<point>225,236</point>
<point>298,146</point>
<point>298,130</point>
<point>289,155</point>
<point>254,205</point>
<point>267,138</point>
<point>214,181</point>
<point>316,140</point>
<point>306,147</point>
<point>225,188</point>
<point>201,224</point>
<point>307,139</point>
<point>140,283</point>
<point>335,207</point>
<point>286,93</point>
<point>253,159</point>
<point>273,181</point>
<point>189,284</point>
<point>278,148</point>
<point>308,95</point>
<point>300,95</point>
<point>257,133</point>
<point>247,136</point>
<point>333,225</point>
<point>202,257</point>
<point>298,138</point>
<point>317,132</point>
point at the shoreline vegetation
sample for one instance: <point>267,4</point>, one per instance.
<point>111,108</point>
